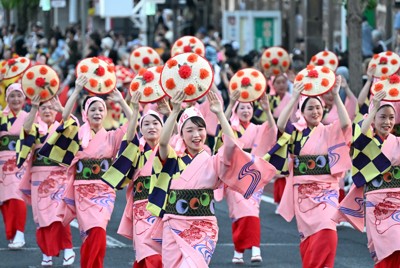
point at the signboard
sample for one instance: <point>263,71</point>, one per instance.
<point>252,29</point>
<point>111,8</point>
<point>58,3</point>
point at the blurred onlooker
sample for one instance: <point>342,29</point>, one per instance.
<point>19,46</point>
<point>93,45</point>
<point>366,45</point>
<point>378,44</point>
<point>107,45</point>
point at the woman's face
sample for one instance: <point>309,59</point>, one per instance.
<point>313,112</point>
<point>281,85</point>
<point>244,112</point>
<point>328,98</point>
<point>96,113</point>
<point>15,101</point>
<point>384,121</point>
<point>46,113</point>
<point>151,128</point>
<point>193,136</point>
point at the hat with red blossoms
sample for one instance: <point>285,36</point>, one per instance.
<point>14,67</point>
<point>325,58</point>
<point>317,80</point>
<point>386,63</point>
<point>144,57</point>
<point>250,82</point>
<point>188,72</point>
<point>40,80</point>
<point>101,75</point>
<point>147,81</point>
<point>187,44</point>
<point>390,84</point>
<point>275,60</point>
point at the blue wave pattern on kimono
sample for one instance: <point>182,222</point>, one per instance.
<point>328,197</point>
<point>358,213</point>
<point>254,174</point>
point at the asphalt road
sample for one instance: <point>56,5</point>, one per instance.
<point>279,246</point>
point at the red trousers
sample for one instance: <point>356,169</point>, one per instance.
<point>279,186</point>
<point>153,261</point>
<point>14,217</point>
<point>246,233</point>
<point>319,250</point>
<point>93,249</point>
<point>391,261</point>
<point>54,238</point>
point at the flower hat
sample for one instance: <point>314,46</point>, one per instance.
<point>325,58</point>
<point>42,80</point>
<point>147,81</point>
<point>124,74</point>
<point>144,57</point>
<point>275,60</point>
<point>386,63</point>
<point>101,75</point>
<point>250,82</point>
<point>391,85</point>
<point>187,44</point>
<point>188,72</point>
<point>14,67</point>
<point>317,80</point>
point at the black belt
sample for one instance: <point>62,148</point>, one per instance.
<point>42,161</point>
<point>8,143</point>
<point>311,165</point>
<point>91,169</point>
<point>141,187</point>
<point>390,179</point>
<point>195,202</point>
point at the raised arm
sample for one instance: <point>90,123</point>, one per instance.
<point>341,109</point>
<point>116,96</point>
<point>216,107</point>
<point>264,101</point>
<point>132,125</point>
<point>32,114</point>
<point>287,111</point>
<point>371,115</point>
<point>79,84</point>
<point>365,90</point>
<point>168,128</point>
<point>233,97</point>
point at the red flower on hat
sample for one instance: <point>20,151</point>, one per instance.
<point>234,86</point>
<point>394,92</point>
<point>44,94</point>
<point>148,76</point>
<point>146,60</point>
<point>93,82</point>
<point>313,74</point>
<point>204,73</point>
<point>185,71</point>
<point>394,79</point>
<point>40,82</point>
<point>170,83</point>
<point>245,82</point>
<point>108,82</point>
<point>135,86</point>
<point>325,70</point>
<point>320,62</point>
<point>384,70</point>
<point>244,94</point>
<point>30,75</point>
<point>187,48</point>
<point>274,61</point>
<point>84,68</point>
<point>394,61</point>
<point>198,51</point>
<point>190,90</point>
<point>378,87</point>
<point>383,60</point>
<point>30,91</point>
<point>11,62</point>
<point>171,63</point>
<point>53,82</point>
<point>308,86</point>
<point>43,70</point>
<point>14,68</point>
<point>257,86</point>
<point>299,77</point>
<point>100,71</point>
<point>147,91</point>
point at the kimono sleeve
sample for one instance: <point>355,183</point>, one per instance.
<point>241,171</point>
<point>25,144</point>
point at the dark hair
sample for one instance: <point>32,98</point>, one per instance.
<point>251,103</point>
<point>198,121</point>
<point>303,106</point>
<point>387,105</point>
<point>152,115</point>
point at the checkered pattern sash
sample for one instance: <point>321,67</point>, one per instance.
<point>368,160</point>
<point>63,144</point>
<point>390,179</point>
<point>6,121</point>
<point>193,202</point>
<point>279,154</point>
<point>41,161</point>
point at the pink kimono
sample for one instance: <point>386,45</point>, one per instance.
<point>381,210</point>
<point>282,104</point>
<point>190,241</point>
<point>11,175</point>
<point>351,106</point>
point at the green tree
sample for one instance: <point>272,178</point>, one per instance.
<point>27,11</point>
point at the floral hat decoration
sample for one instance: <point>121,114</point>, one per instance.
<point>188,72</point>
<point>101,75</point>
<point>317,80</point>
<point>144,57</point>
<point>42,80</point>
<point>147,81</point>
<point>275,60</point>
<point>187,44</point>
<point>325,58</point>
<point>390,84</point>
<point>14,67</point>
<point>250,82</point>
<point>386,63</point>
<point>124,74</point>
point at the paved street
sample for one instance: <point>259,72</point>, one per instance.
<point>279,244</point>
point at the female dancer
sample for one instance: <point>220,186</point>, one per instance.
<point>311,192</point>
<point>182,192</point>
<point>45,182</point>
<point>12,205</point>
<point>88,151</point>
